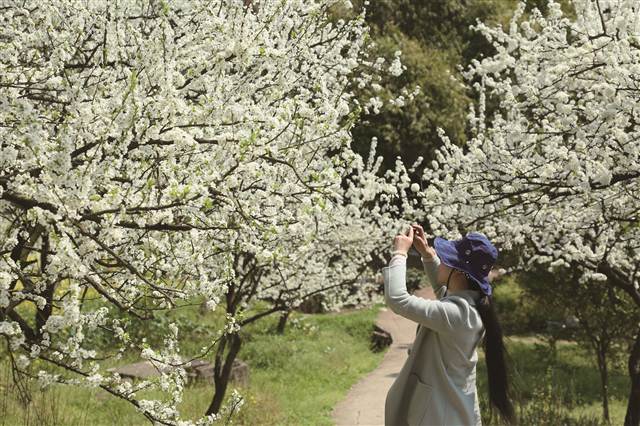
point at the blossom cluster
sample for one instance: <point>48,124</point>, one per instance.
<point>554,171</point>
<point>150,148</point>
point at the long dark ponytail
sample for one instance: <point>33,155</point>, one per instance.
<point>495,357</point>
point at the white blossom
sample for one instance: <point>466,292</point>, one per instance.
<point>155,154</point>
<point>555,170</point>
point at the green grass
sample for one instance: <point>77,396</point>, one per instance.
<point>298,377</point>
<point>557,391</point>
<point>295,378</point>
<point>306,371</point>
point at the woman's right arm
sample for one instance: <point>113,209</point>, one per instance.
<point>441,316</point>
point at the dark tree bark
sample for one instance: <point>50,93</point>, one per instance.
<point>604,380</point>
<point>222,370</point>
<point>633,408</point>
<point>283,321</point>
<point>42,315</point>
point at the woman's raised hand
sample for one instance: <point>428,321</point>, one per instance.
<point>403,241</point>
<point>421,244</point>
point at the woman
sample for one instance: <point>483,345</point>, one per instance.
<point>437,384</point>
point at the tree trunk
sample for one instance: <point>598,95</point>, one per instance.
<point>633,408</point>
<point>283,321</point>
<point>604,381</point>
<point>222,372</point>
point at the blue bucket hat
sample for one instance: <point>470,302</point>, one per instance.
<point>473,254</point>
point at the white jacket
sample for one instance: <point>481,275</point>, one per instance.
<point>437,383</point>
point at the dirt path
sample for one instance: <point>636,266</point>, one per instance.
<point>364,403</point>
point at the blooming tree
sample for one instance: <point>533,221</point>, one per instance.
<point>156,152</point>
<point>555,171</point>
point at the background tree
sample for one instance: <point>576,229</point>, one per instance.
<point>602,312</point>
<point>436,40</point>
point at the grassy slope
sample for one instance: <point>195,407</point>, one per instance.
<point>298,377</point>
<point>295,378</point>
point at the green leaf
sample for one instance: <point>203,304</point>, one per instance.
<point>208,203</point>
